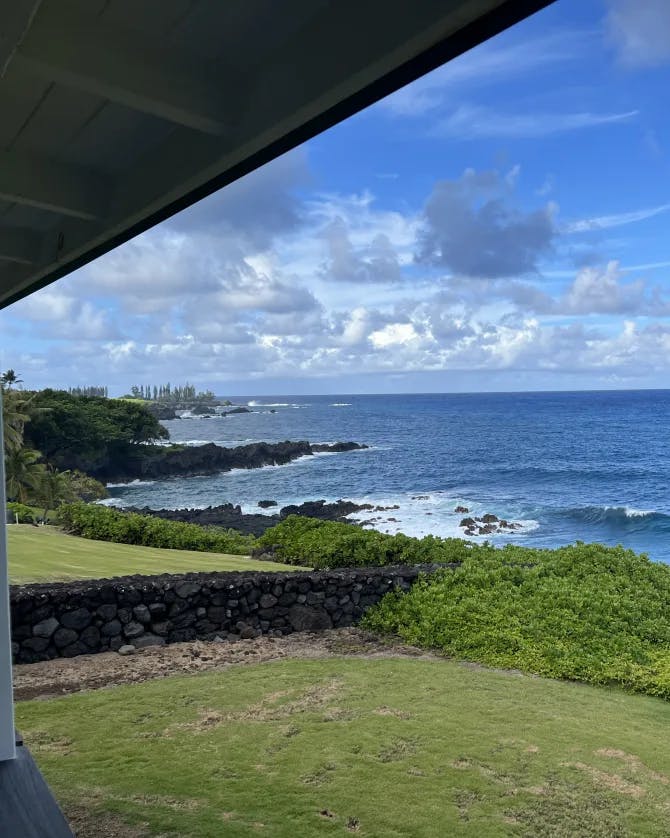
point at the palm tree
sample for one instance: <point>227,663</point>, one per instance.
<point>23,473</point>
<point>14,417</point>
<point>54,489</point>
<point>8,378</point>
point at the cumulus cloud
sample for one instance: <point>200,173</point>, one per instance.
<point>336,286</point>
<point>470,228</point>
<point>374,262</point>
<point>601,290</point>
<point>59,315</point>
<point>257,208</point>
<point>640,31</point>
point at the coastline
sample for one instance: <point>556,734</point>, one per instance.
<point>554,462</point>
<point>162,462</point>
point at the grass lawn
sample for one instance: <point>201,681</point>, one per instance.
<point>44,554</point>
<point>383,747</point>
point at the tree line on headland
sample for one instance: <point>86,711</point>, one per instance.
<point>55,440</point>
<point>184,395</point>
<point>62,446</point>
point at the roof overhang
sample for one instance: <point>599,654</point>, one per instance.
<point>115,114</point>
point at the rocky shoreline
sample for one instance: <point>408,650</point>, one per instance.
<point>231,516</point>
<point>156,463</point>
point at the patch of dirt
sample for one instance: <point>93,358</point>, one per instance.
<point>565,809</point>
<point>398,749</point>
<point>461,764</point>
<point>390,711</point>
<point>50,679</point>
<point>465,800</point>
<point>177,804</point>
<point>43,742</point>
<point>613,782</point>
<point>316,697</point>
<point>633,762</point>
<point>321,776</point>
<point>339,714</point>
<point>87,823</point>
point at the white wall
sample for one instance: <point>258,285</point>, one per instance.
<point>7,739</point>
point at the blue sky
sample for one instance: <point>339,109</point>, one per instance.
<point>501,224</point>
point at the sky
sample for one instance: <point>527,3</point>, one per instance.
<point>499,225</point>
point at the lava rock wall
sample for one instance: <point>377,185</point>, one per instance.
<point>81,618</point>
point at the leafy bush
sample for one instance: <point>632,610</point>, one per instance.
<point>584,612</point>
<point>325,544</point>
<point>83,487</point>
<point>26,514</point>
<point>103,523</point>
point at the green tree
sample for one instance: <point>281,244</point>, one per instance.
<point>14,417</point>
<point>88,433</point>
<point>23,474</point>
<point>54,489</point>
<point>8,378</point>
<point>83,487</point>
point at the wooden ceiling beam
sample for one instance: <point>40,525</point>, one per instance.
<point>83,53</point>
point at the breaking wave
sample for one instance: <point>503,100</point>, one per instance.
<point>621,517</point>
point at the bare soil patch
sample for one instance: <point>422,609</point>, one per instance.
<point>50,679</point>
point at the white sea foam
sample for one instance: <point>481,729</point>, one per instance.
<point>193,442</point>
<point>255,403</point>
<point>430,513</point>
<point>629,512</point>
<point>119,502</point>
<point>130,483</point>
<point>341,404</point>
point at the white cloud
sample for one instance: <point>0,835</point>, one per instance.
<point>394,334</point>
<point>376,262</point>
<point>596,290</point>
<point>486,65</point>
<point>603,222</point>
<point>61,315</point>
<point>470,227</point>
<point>469,122</point>
<point>340,294</point>
<point>640,31</point>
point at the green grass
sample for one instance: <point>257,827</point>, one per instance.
<point>382,747</point>
<point>44,554</point>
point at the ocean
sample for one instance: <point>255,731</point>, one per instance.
<point>588,466</point>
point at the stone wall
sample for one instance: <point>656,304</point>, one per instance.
<point>77,618</point>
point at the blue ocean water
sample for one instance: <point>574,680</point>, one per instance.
<point>590,466</point>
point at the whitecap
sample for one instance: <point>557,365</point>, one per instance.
<point>136,482</point>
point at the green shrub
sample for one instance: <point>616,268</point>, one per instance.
<point>584,612</point>
<point>104,523</point>
<point>325,544</point>
<point>26,514</point>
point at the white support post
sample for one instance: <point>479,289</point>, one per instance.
<point>7,735</point>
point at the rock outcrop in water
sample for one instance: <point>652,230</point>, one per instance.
<point>156,463</point>
<point>162,412</point>
<point>337,447</point>
<point>488,524</point>
<point>236,410</point>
